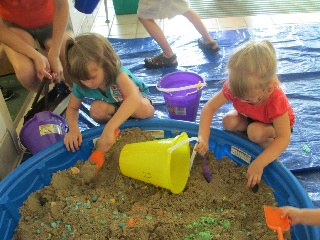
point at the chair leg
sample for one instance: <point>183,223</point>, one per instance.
<point>106,10</point>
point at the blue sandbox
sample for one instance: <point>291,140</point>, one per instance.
<point>36,173</point>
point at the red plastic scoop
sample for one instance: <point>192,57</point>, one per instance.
<point>275,222</point>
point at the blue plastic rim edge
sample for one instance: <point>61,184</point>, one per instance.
<point>37,171</point>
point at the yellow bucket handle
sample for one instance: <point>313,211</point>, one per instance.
<point>174,147</point>
<point>193,155</point>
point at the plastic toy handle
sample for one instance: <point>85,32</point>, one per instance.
<point>280,234</point>
<point>174,147</point>
<point>116,132</point>
<point>197,86</point>
<point>193,155</point>
<point>205,168</point>
<point>97,157</point>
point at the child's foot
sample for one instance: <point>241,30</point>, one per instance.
<point>211,47</point>
<point>160,61</point>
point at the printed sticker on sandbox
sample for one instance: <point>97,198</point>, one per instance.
<point>50,129</point>
<point>240,154</point>
<point>155,133</point>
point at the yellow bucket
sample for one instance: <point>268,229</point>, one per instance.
<point>164,163</point>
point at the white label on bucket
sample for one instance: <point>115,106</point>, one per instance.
<point>240,154</point>
<point>49,129</point>
<point>155,133</point>
<point>178,110</point>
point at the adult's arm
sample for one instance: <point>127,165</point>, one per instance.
<point>60,20</point>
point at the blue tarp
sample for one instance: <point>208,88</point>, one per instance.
<point>298,53</point>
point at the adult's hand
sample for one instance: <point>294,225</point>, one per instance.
<point>55,66</point>
<point>42,66</point>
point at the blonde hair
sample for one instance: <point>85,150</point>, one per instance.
<point>251,66</point>
<point>91,47</point>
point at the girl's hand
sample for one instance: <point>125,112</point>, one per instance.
<point>73,140</point>
<point>293,213</point>
<point>107,139</point>
<point>202,146</point>
<point>254,174</point>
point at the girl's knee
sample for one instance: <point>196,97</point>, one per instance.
<point>143,114</point>
<point>145,110</point>
<point>228,122</point>
<point>233,123</point>
<point>101,111</point>
<point>259,133</point>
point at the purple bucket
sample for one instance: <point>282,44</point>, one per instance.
<point>182,92</point>
<point>86,6</point>
<point>43,130</point>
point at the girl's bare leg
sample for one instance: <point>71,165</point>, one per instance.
<point>261,133</point>
<point>235,122</point>
<point>145,110</point>
<point>101,111</point>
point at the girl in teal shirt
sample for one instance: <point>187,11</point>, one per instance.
<point>96,72</point>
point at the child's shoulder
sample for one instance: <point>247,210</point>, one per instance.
<point>124,69</point>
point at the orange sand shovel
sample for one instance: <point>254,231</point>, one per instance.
<point>275,222</point>
<point>97,157</point>
<point>95,162</point>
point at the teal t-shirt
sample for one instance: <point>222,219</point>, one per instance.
<point>112,93</point>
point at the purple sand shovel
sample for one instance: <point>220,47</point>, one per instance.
<point>205,169</point>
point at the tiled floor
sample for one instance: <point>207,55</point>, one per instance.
<point>128,26</point>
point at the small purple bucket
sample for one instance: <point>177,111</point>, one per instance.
<point>43,130</point>
<point>182,91</point>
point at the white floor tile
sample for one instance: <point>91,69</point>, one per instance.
<point>211,24</point>
<point>309,17</point>
<point>283,19</point>
<point>103,30</point>
<point>231,23</point>
<point>123,29</point>
<point>125,19</point>
<point>258,21</point>
<point>141,29</point>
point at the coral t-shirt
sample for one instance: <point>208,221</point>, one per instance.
<point>274,106</point>
<point>27,13</point>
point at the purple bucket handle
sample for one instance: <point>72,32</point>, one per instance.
<point>197,86</point>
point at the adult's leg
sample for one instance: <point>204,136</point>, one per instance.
<point>23,66</point>
<point>194,18</point>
